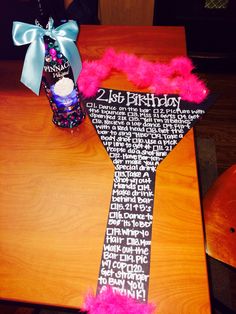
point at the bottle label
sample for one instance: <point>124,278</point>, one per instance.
<point>58,70</point>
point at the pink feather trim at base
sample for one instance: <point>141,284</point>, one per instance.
<point>172,78</point>
<point>110,302</point>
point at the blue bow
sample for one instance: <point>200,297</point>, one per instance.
<point>65,35</point>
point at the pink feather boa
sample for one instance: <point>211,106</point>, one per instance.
<point>110,302</point>
<point>159,78</point>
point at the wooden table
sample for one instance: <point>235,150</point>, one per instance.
<point>56,187</point>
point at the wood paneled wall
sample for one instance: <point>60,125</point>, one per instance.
<point>126,12</point>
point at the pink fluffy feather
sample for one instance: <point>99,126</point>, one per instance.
<point>110,302</point>
<point>159,78</point>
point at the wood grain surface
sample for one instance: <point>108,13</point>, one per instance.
<point>219,206</point>
<point>129,12</point>
<point>56,188</point>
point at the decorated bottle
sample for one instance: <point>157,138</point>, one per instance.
<point>44,62</point>
<point>60,88</point>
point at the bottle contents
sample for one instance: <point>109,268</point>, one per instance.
<point>59,86</point>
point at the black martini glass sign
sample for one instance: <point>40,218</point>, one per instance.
<point>138,130</point>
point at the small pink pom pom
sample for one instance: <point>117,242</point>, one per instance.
<point>110,302</point>
<point>53,52</point>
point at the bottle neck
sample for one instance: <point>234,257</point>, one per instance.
<point>50,8</point>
